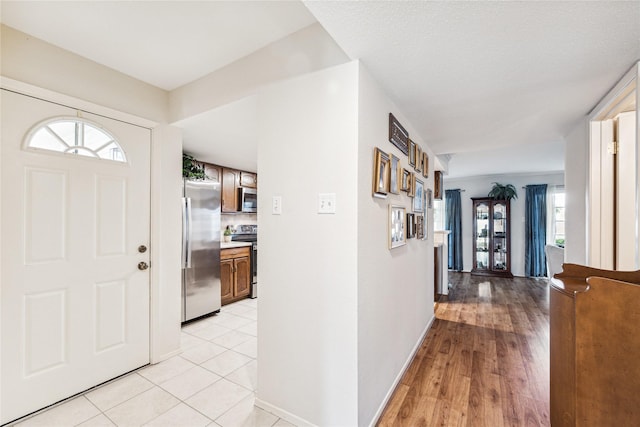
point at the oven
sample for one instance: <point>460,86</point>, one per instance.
<point>249,233</point>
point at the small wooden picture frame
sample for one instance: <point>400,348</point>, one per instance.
<point>411,226</point>
<point>418,198</point>
<point>395,175</point>
<point>381,173</point>
<point>412,153</point>
<point>397,226</point>
<point>437,185</point>
<point>425,164</point>
<point>420,227</point>
<point>398,135</point>
<point>412,187</point>
<point>418,166</point>
<point>405,180</point>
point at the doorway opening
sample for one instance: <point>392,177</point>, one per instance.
<point>614,178</point>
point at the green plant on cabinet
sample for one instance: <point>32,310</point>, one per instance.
<point>503,192</point>
<point>192,169</point>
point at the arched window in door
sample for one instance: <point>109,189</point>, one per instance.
<point>71,135</point>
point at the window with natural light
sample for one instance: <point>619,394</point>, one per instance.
<point>75,136</point>
<point>558,206</point>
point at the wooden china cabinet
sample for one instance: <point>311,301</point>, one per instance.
<point>491,240</point>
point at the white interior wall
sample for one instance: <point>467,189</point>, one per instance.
<point>395,287</point>
<point>166,238</point>
<point>307,324</point>
<point>31,60</point>
<point>302,52</point>
<point>575,169</point>
<point>340,314</point>
<point>480,187</point>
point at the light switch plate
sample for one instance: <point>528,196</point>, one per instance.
<point>277,205</point>
<point>327,203</point>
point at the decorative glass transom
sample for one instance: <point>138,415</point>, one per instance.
<point>75,136</point>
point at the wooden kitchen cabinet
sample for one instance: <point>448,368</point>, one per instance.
<point>235,274</point>
<point>212,172</point>
<point>230,185</point>
<point>248,179</point>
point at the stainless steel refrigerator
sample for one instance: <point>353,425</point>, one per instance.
<point>200,249</point>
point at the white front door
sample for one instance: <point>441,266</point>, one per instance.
<point>74,303</point>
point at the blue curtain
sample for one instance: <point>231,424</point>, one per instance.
<point>453,222</point>
<point>536,230</point>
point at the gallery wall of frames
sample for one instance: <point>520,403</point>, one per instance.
<point>391,177</point>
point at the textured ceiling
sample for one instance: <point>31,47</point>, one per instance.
<point>473,77</point>
<point>481,75</point>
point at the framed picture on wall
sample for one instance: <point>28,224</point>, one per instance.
<point>395,175</point>
<point>438,192</point>
<point>412,153</point>
<point>405,180</point>
<point>381,173</point>
<point>412,189</point>
<point>398,135</point>
<point>425,164</point>
<point>418,166</point>
<point>411,226</point>
<point>429,198</point>
<point>419,227</point>
<point>397,226</point>
<point>418,198</point>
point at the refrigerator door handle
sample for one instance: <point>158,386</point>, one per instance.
<point>189,234</point>
<point>183,261</point>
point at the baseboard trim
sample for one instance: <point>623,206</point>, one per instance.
<point>287,416</point>
<point>407,363</point>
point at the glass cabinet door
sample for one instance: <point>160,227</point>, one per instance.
<point>482,236</point>
<point>499,236</point>
<point>491,247</point>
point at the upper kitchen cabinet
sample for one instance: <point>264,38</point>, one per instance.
<point>248,179</point>
<point>238,191</point>
<point>230,185</point>
<point>212,172</point>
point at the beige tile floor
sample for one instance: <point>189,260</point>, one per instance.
<point>211,383</point>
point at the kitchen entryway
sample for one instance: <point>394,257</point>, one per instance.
<point>212,380</point>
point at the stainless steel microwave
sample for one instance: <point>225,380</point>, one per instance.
<point>248,199</point>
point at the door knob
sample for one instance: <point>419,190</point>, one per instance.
<point>142,249</point>
<point>143,265</point>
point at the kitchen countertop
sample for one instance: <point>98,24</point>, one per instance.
<point>231,245</point>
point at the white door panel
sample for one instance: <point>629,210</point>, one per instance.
<point>626,186</point>
<point>75,306</point>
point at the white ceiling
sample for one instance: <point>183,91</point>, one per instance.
<point>164,43</point>
<point>226,136</point>
<point>489,74</point>
<point>547,157</point>
<point>471,76</point>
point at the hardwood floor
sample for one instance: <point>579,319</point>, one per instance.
<point>485,361</point>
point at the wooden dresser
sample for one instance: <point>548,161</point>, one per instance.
<point>595,347</point>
